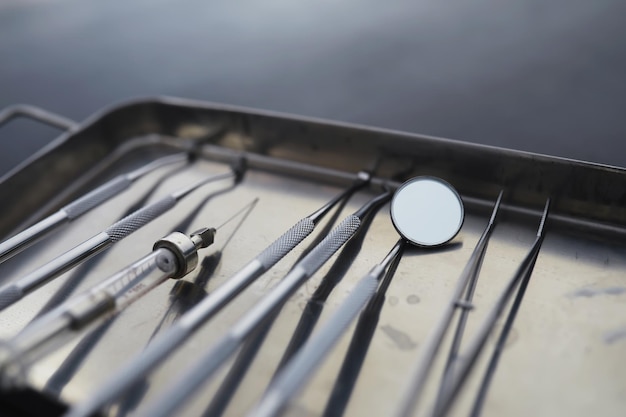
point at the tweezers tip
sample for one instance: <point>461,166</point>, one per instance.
<point>544,217</point>
<point>496,207</point>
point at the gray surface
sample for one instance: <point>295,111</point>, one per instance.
<point>544,76</point>
<point>566,349</point>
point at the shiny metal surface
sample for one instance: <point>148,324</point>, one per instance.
<point>290,379</point>
<point>565,349</point>
<point>426,211</point>
<point>63,262</point>
<point>80,206</point>
<point>26,238</point>
<point>184,250</point>
<point>138,367</point>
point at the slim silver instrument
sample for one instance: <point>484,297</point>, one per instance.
<point>426,212</point>
<point>82,205</point>
<point>170,339</point>
<point>12,293</point>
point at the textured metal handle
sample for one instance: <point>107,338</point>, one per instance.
<point>9,295</point>
<point>171,338</point>
<point>331,243</point>
<point>140,218</point>
<point>284,244</point>
<point>193,378</point>
<point>96,197</point>
<point>298,274</point>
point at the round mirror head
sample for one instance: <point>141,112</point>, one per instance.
<point>427,211</point>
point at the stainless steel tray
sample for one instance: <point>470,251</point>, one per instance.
<point>564,356</point>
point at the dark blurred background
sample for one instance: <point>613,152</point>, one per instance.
<point>546,76</point>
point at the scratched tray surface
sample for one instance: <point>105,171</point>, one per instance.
<point>564,355</point>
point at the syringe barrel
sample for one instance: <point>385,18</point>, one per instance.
<point>137,279</point>
<point>52,330</point>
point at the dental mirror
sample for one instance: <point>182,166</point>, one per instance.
<point>427,211</point>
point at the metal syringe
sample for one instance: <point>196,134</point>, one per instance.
<point>12,293</point>
<point>174,256</point>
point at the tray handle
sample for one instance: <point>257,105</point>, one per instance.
<point>37,114</point>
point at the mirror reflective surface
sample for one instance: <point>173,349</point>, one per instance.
<point>427,211</point>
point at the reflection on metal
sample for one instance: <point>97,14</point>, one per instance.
<point>191,380</point>
<point>77,208</point>
<point>464,304</point>
<point>295,166</point>
<point>12,293</point>
<point>169,340</point>
<point>173,256</point>
<point>520,279</point>
<point>426,212</point>
<point>469,276</point>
